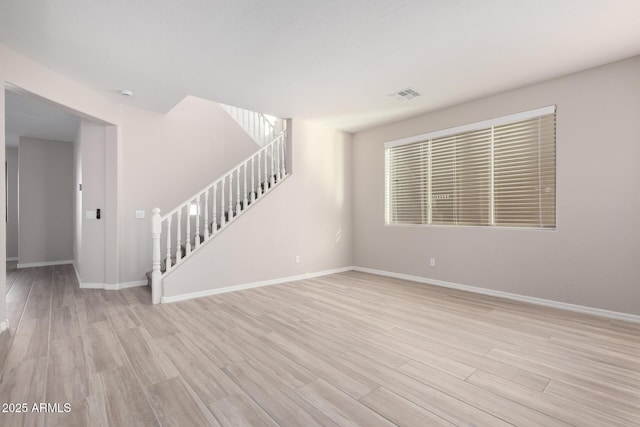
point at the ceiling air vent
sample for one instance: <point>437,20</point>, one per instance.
<point>405,94</point>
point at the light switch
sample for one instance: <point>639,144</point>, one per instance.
<point>90,214</point>
<point>139,214</point>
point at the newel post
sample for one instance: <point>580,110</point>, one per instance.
<point>156,231</point>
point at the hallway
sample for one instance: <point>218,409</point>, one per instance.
<point>58,333</point>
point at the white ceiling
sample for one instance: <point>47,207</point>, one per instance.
<point>26,116</point>
<point>333,61</point>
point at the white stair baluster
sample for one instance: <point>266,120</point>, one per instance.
<point>265,182</point>
<point>178,237</point>
<point>284,158</point>
<point>206,215</point>
<point>277,148</point>
<point>222,218</point>
<point>187,241</point>
<point>280,158</point>
<point>259,173</point>
<point>156,273</point>
<point>267,129</point>
<point>168,260</point>
<point>214,213</point>
<point>273,169</point>
<point>197,233</point>
<point>261,130</point>
<point>253,179</point>
<point>270,131</point>
<point>238,207</point>
<point>230,210</point>
<point>245,190</point>
<point>252,124</point>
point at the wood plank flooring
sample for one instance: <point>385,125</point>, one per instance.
<point>341,350</point>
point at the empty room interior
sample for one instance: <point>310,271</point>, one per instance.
<point>305,213</point>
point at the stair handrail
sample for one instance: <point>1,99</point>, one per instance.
<point>281,136</point>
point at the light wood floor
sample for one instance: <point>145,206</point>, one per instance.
<point>347,349</point>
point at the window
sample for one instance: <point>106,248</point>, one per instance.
<point>500,172</point>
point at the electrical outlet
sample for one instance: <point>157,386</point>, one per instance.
<point>297,259</point>
<point>432,262</point>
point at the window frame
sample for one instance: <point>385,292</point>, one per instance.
<point>467,128</point>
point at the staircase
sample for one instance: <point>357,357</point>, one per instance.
<point>262,128</point>
<point>185,229</point>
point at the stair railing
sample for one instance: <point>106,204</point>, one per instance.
<point>206,213</point>
<point>261,128</point>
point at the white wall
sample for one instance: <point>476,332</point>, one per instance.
<point>592,257</point>
<point>11,155</point>
<point>308,215</point>
<point>45,201</point>
<point>89,170</point>
<point>77,197</point>
<point>112,187</point>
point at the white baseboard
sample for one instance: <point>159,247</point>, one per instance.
<point>4,325</point>
<point>13,258</point>
<point>126,285</point>
<point>75,268</point>
<point>241,287</point>
<point>507,295</point>
<point>88,285</point>
<point>107,286</point>
<point>112,286</point>
<point>44,264</point>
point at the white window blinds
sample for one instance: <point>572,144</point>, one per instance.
<point>500,172</point>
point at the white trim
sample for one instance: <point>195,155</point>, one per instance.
<point>4,325</point>
<point>209,292</point>
<point>13,258</point>
<point>477,227</point>
<point>507,295</point>
<point>91,285</point>
<point>484,124</point>
<point>75,268</point>
<point>44,264</point>
<point>126,285</point>
<point>113,286</point>
<point>107,286</point>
